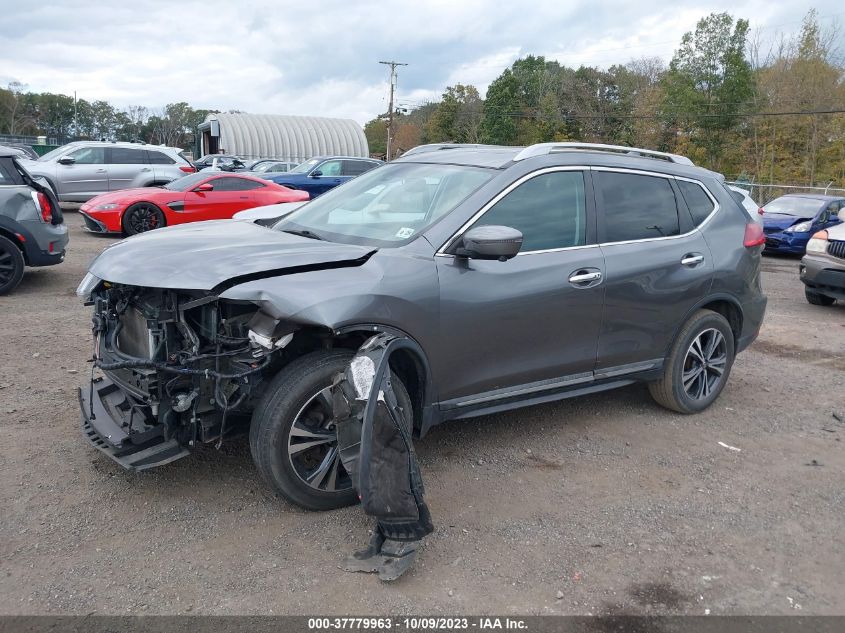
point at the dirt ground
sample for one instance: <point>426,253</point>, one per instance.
<point>600,505</point>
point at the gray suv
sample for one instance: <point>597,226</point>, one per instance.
<point>513,276</point>
<point>81,170</point>
<point>32,232</point>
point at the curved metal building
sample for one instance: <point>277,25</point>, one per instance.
<point>290,138</point>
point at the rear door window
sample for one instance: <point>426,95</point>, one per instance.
<point>356,167</point>
<point>699,203</point>
<point>7,172</point>
<point>127,156</point>
<point>549,210</point>
<point>637,207</point>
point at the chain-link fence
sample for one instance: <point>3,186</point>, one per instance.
<point>763,194</point>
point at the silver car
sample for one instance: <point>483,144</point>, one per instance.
<point>81,170</point>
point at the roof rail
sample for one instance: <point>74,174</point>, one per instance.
<point>433,147</point>
<point>541,149</point>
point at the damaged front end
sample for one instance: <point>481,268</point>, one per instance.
<point>176,368</point>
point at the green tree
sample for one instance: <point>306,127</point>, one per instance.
<point>709,83</point>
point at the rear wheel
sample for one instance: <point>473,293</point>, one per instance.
<point>818,300</point>
<point>698,365</point>
<point>142,217</point>
<point>11,265</point>
<point>292,435</point>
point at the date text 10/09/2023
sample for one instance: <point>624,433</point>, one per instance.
<point>415,624</point>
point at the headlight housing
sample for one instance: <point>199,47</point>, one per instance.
<point>818,243</point>
<point>106,206</point>
<point>801,227</point>
<point>88,285</point>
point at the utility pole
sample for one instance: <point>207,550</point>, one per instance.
<point>75,121</point>
<point>393,66</point>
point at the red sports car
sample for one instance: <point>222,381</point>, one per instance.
<point>200,196</point>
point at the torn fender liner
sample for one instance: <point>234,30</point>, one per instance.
<point>374,438</point>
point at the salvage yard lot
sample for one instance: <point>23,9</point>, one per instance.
<point>603,504</point>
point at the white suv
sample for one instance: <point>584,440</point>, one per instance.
<point>81,170</point>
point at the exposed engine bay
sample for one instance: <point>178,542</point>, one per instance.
<point>178,368</point>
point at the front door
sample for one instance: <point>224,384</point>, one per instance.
<point>330,177</point>
<point>86,177</point>
<point>658,266</point>
<point>230,195</point>
<point>532,318</point>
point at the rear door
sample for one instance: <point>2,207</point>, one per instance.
<point>164,167</point>
<point>658,266</point>
<point>532,318</point>
<point>128,168</point>
<point>86,177</point>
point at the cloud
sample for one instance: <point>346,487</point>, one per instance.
<point>322,59</point>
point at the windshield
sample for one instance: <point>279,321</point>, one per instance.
<point>187,182</point>
<point>388,205</point>
<point>798,207</point>
<point>304,168</point>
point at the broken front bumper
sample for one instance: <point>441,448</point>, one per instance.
<point>103,408</point>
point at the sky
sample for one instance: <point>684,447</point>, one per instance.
<point>321,58</point>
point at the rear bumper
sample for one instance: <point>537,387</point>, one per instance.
<point>100,404</point>
<point>44,244</point>
<point>752,313</point>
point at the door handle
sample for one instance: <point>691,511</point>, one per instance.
<point>101,171</point>
<point>583,277</point>
<point>692,259</point>
<point>146,169</point>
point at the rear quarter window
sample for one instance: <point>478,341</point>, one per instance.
<point>698,202</point>
<point>7,172</point>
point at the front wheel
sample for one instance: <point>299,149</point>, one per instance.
<point>142,217</point>
<point>292,435</point>
<point>698,365</point>
<point>818,300</point>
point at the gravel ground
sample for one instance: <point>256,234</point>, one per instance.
<point>604,504</point>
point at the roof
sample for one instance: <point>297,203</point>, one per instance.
<point>294,138</point>
<point>5,152</point>
<point>499,157</point>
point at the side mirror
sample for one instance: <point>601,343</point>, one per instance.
<point>315,174</point>
<point>490,242</point>
<point>206,186</point>
<point>66,160</point>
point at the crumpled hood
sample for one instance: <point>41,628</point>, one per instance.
<point>778,221</point>
<point>203,255</point>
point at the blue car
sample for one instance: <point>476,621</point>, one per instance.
<point>790,221</point>
<point>318,175</point>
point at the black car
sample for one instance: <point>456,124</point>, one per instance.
<point>508,276</point>
<point>32,231</point>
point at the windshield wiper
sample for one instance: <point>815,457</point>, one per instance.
<point>304,233</point>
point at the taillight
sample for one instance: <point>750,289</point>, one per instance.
<point>44,205</point>
<point>188,169</point>
<point>753,235</point>
<point>760,211</point>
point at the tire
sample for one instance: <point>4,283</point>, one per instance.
<point>293,395</point>
<point>142,217</point>
<point>698,366</point>
<point>11,265</point>
<point>818,300</point>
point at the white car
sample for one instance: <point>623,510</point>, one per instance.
<point>744,198</point>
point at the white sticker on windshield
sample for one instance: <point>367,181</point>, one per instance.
<point>404,232</point>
